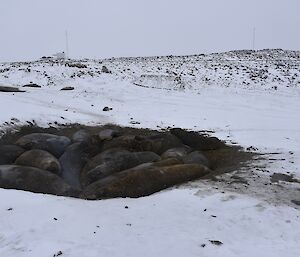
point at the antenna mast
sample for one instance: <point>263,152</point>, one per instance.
<point>67,44</point>
<point>254,38</point>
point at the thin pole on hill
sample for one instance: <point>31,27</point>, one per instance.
<point>67,44</point>
<point>254,38</point>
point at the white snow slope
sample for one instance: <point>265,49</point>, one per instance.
<point>244,97</point>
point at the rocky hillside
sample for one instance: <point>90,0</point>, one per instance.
<point>271,69</point>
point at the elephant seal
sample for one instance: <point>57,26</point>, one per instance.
<point>72,162</point>
<point>160,143</point>
<point>108,134</point>
<point>9,153</point>
<point>34,180</point>
<point>143,182</point>
<point>81,136</point>
<point>196,158</point>
<point>53,144</point>
<point>39,159</point>
<point>105,156</point>
<point>177,152</point>
<point>121,162</point>
<point>127,142</point>
<point>197,141</point>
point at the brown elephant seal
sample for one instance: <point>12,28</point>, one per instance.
<point>197,141</point>
<point>39,159</point>
<point>177,152</point>
<point>196,158</point>
<point>34,180</point>
<point>120,162</point>
<point>72,162</point>
<point>144,181</point>
<point>9,153</point>
<point>53,144</point>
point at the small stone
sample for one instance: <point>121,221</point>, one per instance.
<point>216,242</point>
<point>297,202</point>
<point>7,89</point>
<point>106,109</point>
<point>67,89</point>
<point>32,85</point>
<point>105,69</point>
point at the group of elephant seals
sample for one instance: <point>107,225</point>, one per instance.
<point>122,161</point>
<point>106,162</point>
<point>143,181</point>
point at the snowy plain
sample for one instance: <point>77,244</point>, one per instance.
<point>248,98</point>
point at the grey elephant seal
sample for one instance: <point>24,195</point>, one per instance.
<point>53,144</point>
<point>143,181</point>
<point>81,136</point>
<point>39,159</point>
<point>9,153</point>
<point>177,152</point>
<point>196,158</point>
<point>34,180</point>
<point>72,162</point>
<point>197,141</point>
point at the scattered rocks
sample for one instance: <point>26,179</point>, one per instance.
<point>105,69</point>
<point>77,65</point>
<point>8,89</point>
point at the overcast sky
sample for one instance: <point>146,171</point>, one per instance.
<point>30,29</point>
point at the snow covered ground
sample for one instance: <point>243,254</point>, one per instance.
<point>244,97</point>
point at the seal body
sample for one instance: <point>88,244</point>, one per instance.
<point>143,181</point>
<point>34,180</point>
<point>53,144</point>
<point>39,159</point>
<point>72,162</point>
<point>9,153</point>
